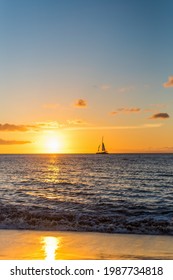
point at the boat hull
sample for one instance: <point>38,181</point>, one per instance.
<point>102,153</point>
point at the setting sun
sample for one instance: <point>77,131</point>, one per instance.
<point>51,142</point>
<point>53,145</point>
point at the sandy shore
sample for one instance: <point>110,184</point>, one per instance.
<point>39,245</point>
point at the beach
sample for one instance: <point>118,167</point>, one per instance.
<point>45,245</point>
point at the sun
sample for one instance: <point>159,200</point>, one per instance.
<point>52,145</point>
<point>51,142</point>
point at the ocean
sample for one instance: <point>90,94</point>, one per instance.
<point>114,193</point>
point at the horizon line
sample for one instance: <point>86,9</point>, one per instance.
<point>84,153</point>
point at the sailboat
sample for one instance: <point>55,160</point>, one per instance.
<point>101,149</point>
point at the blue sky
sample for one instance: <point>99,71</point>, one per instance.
<point>107,37</point>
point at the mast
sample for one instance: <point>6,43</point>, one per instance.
<point>103,145</point>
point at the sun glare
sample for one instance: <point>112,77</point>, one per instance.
<point>52,145</point>
<point>51,142</point>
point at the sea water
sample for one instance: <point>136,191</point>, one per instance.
<point>116,193</point>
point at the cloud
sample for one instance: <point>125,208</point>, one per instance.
<point>129,110</point>
<point>114,113</point>
<point>76,122</point>
<point>143,126</point>
<point>126,110</point>
<point>36,127</point>
<point>13,127</point>
<point>54,125</point>
<point>48,125</point>
<point>13,142</point>
<point>160,116</point>
<point>81,103</point>
<point>169,83</point>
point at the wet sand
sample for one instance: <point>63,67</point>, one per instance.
<point>40,245</point>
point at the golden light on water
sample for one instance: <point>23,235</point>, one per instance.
<point>50,246</point>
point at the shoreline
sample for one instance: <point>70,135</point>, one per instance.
<point>87,232</point>
<point>71,245</point>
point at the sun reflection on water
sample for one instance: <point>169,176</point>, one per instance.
<point>50,246</point>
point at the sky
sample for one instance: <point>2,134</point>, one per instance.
<point>74,71</point>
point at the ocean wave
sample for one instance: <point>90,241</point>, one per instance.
<point>45,219</point>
